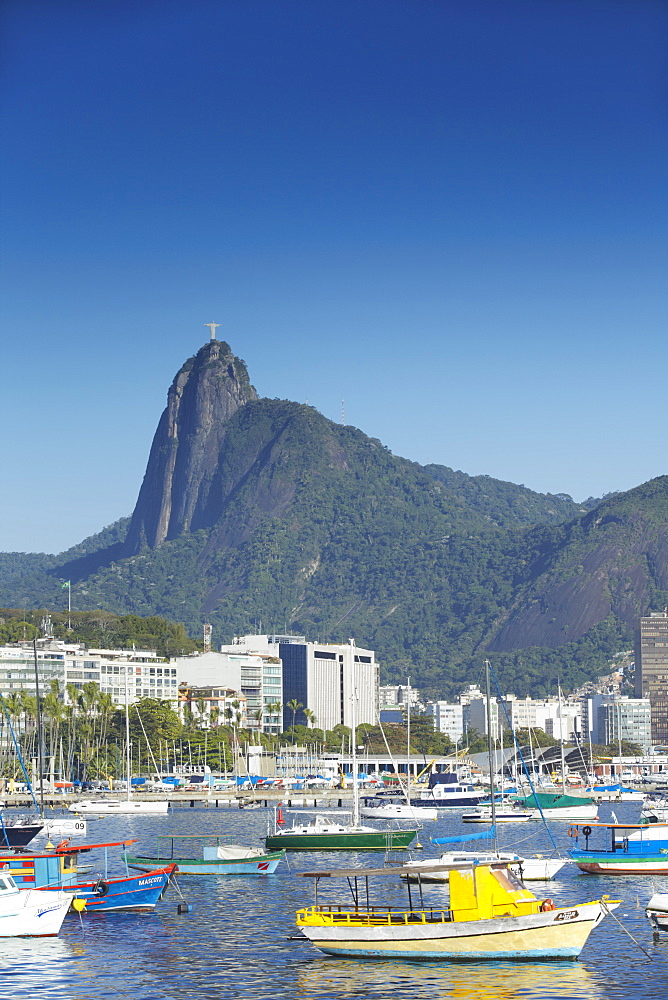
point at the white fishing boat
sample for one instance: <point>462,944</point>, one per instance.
<point>31,912</point>
<point>491,915</point>
<point>535,869</point>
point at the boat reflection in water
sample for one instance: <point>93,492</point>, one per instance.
<point>491,981</point>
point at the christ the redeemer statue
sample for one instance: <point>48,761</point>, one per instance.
<point>212,327</point>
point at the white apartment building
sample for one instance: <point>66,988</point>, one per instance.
<point>319,677</point>
<point>448,718</point>
<point>561,721</point>
<point>257,676</point>
<point>393,695</point>
<point>148,675</point>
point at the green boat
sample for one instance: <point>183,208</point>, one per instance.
<point>208,854</point>
<point>322,833</point>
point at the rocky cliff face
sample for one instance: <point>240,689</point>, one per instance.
<point>612,562</point>
<point>181,490</point>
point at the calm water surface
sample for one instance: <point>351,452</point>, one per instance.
<point>235,941</point>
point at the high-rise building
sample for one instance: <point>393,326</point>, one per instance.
<point>319,678</point>
<point>625,719</point>
<point>652,670</point>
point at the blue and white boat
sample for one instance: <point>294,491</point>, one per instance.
<point>446,791</point>
<point>59,869</point>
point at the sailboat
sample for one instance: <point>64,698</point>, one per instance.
<point>399,806</point>
<point>559,806</point>
<point>322,833</point>
<point>537,868</point>
<point>128,807</point>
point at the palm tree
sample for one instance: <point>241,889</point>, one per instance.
<point>310,718</point>
<point>201,708</point>
<point>214,713</point>
<point>294,707</point>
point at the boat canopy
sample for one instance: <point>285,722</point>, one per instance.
<point>549,801</point>
<point>402,870</point>
<point>483,835</point>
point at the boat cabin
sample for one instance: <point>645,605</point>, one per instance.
<point>477,892</point>
<point>53,869</point>
<point>629,838</point>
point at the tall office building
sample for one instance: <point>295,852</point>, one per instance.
<point>625,719</point>
<point>652,670</point>
<point>320,677</point>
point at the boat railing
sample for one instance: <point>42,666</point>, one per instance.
<point>371,915</point>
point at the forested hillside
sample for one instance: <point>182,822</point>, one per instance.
<point>262,515</point>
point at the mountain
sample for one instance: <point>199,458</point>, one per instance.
<point>611,562</point>
<point>262,515</point>
<point>182,486</point>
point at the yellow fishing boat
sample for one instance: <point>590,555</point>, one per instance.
<point>491,915</point>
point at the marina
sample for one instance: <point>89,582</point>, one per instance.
<point>239,938</point>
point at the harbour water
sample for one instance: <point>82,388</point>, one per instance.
<point>236,941</point>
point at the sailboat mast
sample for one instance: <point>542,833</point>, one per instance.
<point>353,737</point>
<point>561,742</point>
<point>408,743</point>
<point>490,751</point>
<point>127,735</point>
<point>40,747</point>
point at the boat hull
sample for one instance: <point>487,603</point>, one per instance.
<point>18,834</point>
<point>622,865</point>
<point>265,864</point>
<point>104,808</point>
<point>557,934</point>
<point>511,816</point>
<point>380,840</point>
<point>135,894</point>
<point>33,913</point>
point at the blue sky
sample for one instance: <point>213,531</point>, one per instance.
<point>451,214</point>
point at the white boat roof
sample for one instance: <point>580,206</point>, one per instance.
<point>402,870</point>
<point>623,826</point>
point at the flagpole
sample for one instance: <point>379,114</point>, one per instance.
<point>68,587</point>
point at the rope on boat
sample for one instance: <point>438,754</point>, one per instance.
<point>174,883</point>
<point>611,914</point>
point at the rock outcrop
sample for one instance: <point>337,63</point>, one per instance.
<point>178,491</point>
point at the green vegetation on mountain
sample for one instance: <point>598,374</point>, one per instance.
<point>262,515</point>
<point>100,630</point>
